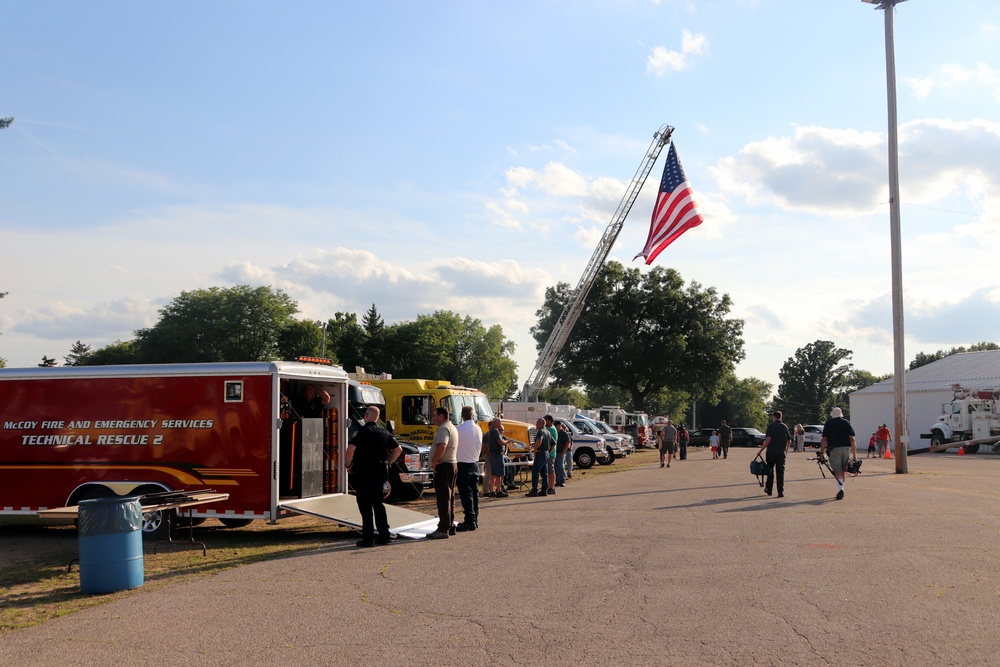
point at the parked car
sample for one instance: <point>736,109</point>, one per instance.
<point>742,437</point>
<point>700,437</point>
<point>814,434</point>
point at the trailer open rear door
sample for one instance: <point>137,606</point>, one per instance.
<point>343,509</point>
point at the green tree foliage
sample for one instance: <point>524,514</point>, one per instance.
<point>374,343</point>
<point>856,379</point>
<point>239,323</point>
<point>924,358</point>
<point>77,354</point>
<point>742,402</point>
<point>644,333</point>
<point>47,362</point>
<point>118,352</point>
<point>5,122</point>
<point>563,395</point>
<point>345,341</point>
<point>446,346</point>
<point>811,382</point>
<point>299,338</point>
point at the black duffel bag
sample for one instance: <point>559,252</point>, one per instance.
<point>758,467</point>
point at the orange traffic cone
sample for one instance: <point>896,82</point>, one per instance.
<point>888,453</point>
<point>961,451</point>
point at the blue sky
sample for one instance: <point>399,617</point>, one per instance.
<point>466,155</point>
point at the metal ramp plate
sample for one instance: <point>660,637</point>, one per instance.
<point>343,509</point>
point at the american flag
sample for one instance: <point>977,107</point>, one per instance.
<point>675,211</point>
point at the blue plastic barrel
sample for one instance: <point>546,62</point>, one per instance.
<point>110,545</point>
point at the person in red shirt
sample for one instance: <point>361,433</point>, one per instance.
<point>871,447</point>
<point>882,439</point>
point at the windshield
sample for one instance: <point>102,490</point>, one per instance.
<point>604,427</point>
<point>479,403</point>
<point>584,426</point>
<point>483,408</point>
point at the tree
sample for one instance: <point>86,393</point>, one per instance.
<point>299,338</point>
<point>856,379</point>
<point>810,381</point>
<point>5,122</point>
<point>446,346</point>
<point>563,395</point>
<point>741,403</point>
<point>345,340</point>
<point>374,341</point>
<point>239,323</point>
<point>923,358</point>
<point>77,354</point>
<point>644,333</point>
<point>47,362</point>
<point>118,352</point>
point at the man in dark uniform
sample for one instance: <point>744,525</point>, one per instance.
<point>725,439</point>
<point>369,453</point>
<point>776,442</point>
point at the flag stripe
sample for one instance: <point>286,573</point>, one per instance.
<point>675,211</point>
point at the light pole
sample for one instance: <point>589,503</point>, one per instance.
<point>899,388</point>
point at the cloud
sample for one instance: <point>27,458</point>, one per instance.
<point>829,171</point>
<point>950,79</point>
<point>102,322</point>
<point>663,60</point>
<point>351,280</point>
<point>928,323</point>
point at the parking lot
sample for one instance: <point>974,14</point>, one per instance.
<point>686,565</point>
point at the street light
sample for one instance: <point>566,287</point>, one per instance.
<point>899,386</point>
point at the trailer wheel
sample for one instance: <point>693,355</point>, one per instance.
<point>154,525</point>
<point>235,523</point>
<point>584,459</point>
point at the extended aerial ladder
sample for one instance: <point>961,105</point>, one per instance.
<point>571,313</point>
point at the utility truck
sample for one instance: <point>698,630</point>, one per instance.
<point>73,433</point>
<point>410,405</point>
<point>970,415</point>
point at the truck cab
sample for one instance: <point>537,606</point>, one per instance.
<point>613,442</point>
<point>587,447</point>
<point>635,424</point>
<point>410,474</point>
<point>411,402</point>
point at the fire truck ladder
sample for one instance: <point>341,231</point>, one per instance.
<point>571,313</point>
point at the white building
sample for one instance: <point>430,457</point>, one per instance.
<point>927,389</point>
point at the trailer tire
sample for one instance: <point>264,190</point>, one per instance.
<point>235,523</point>
<point>584,459</point>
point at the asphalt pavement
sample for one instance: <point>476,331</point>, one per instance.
<point>687,565</point>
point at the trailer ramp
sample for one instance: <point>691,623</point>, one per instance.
<point>343,509</point>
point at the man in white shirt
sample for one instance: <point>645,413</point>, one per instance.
<point>470,446</point>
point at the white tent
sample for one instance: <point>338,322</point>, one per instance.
<point>927,389</point>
